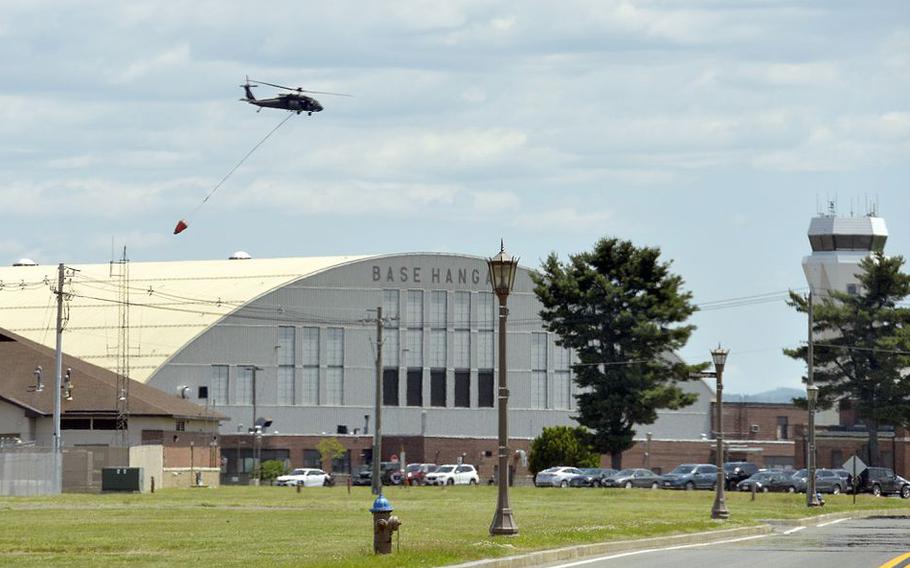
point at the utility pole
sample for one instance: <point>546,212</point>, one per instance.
<point>377,428</point>
<point>58,384</point>
<point>811,495</point>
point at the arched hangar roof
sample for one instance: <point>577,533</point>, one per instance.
<point>170,303</point>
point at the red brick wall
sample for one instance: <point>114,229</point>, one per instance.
<point>739,418</point>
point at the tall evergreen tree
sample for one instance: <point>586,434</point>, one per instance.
<point>623,312</point>
<point>862,347</point>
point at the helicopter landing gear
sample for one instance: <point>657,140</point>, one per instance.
<point>309,114</point>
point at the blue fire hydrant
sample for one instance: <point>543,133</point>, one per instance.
<point>384,524</point>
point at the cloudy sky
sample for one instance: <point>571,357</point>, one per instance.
<point>713,130</point>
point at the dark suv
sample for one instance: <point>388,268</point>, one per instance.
<point>883,481</point>
<point>734,472</point>
<point>390,471</point>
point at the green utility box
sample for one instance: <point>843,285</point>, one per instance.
<point>121,479</point>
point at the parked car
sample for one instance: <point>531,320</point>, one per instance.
<point>883,481</point>
<point>304,476</point>
<point>556,476</point>
<point>734,472</point>
<point>847,479</point>
<point>828,481</point>
<point>415,473</point>
<point>633,477</point>
<point>591,477</point>
<point>762,480</point>
<point>690,476</point>
<point>391,474</point>
<point>794,483</point>
<point>453,474</point>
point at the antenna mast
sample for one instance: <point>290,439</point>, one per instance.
<point>123,348</point>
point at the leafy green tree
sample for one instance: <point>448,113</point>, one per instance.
<point>562,445</point>
<point>862,347</point>
<point>623,312</point>
<point>270,469</point>
<point>329,450</point>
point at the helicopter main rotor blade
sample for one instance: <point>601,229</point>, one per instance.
<point>277,86</point>
<point>325,93</point>
<point>301,89</point>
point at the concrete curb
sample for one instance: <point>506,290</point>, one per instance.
<point>542,557</point>
<point>818,519</point>
<point>604,548</point>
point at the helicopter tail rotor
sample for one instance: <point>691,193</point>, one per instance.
<point>246,87</point>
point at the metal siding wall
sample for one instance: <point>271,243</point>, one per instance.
<point>341,297</point>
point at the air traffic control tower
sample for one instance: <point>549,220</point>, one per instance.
<point>838,246</point>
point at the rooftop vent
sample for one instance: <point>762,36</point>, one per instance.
<point>240,255</point>
<point>25,262</point>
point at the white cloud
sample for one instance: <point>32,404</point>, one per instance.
<point>846,144</point>
<point>566,219</point>
<point>343,198</point>
<point>176,56</point>
<point>491,202</point>
<point>96,197</point>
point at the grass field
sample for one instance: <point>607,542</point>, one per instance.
<point>276,526</point>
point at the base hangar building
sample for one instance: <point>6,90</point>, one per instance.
<point>292,341</point>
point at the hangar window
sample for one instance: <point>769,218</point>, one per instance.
<point>390,303</point>
<point>414,349</point>
<point>334,374</point>
<point>285,385</point>
<point>311,346</point>
<point>462,310</point>
<point>538,370</point>
<point>485,310</point>
<point>415,387</point>
<point>390,387</point>
<point>463,389</point>
<point>438,306</point>
<point>310,385</point>
<point>390,348</point>
<point>485,349</point>
<point>219,392</point>
<point>438,387</point>
<point>286,345</point>
<point>438,348</point>
<point>415,308</point>
<point>334,386</point>
<point>334,347</point>
<point>561,387</point>
<point>485,388</point>
<point>461,355</point>
<point>243,393</point>
<point>562,378</point>
<point>287,359</point>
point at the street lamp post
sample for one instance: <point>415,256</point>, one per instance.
<point>811,490</point>
<point>648,450</point>
<point>719,509</point>
<point>719,356</point>
<point>503,269</point>
<point>811,399</point>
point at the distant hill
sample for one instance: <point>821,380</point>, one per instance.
<point>782,394</point>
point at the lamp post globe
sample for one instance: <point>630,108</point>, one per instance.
<point>503,269</point>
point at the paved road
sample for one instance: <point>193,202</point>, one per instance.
<point>859,543</point>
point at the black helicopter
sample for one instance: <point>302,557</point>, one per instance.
<point>295,101</point>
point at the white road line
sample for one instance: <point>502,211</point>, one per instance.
<point>791,531</point>
<point>832,522</point>
<point>636,552</point>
